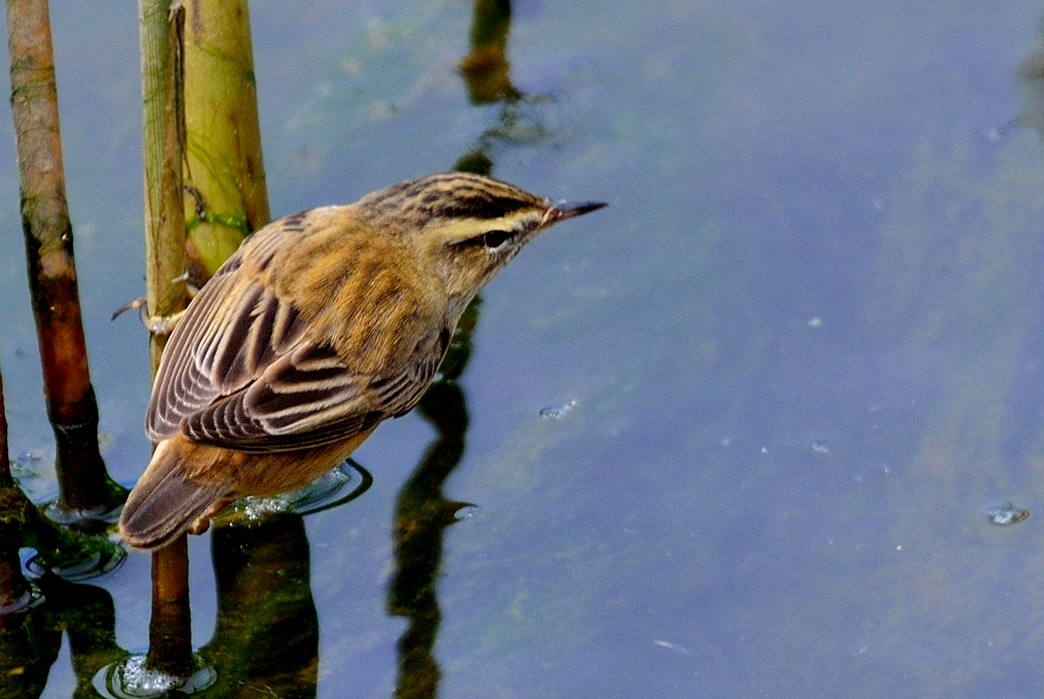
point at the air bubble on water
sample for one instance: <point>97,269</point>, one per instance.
<point>346,481</point>
<point>468,511</point>
<point>1006,514</point>
<point>255,509</point>
<point>557,412</point>
<point>136,679</point>
<point>131,678</point>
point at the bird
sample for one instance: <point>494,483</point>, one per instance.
<point>322,325</point>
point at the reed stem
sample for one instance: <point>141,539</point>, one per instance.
<point>71,406</point>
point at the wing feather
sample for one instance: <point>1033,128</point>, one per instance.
<point>182,386</point>
<point>239,372</point>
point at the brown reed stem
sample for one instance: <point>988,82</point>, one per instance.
<point>71,404</point>
<point>170,628</point>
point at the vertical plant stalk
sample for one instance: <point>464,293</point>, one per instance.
<point>170,627</point>
<point>163,135</point>
<point>71,405</point>
<point>170,640</point>
<point>224,169</point>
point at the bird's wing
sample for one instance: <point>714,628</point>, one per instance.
<point>211,331</point>
<point>239,373</point>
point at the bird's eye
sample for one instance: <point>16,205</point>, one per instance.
<point>494,239</point>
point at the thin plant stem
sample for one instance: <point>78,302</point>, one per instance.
<point>170,639</point>
<point>71,405</point>
<point>224,169</point>
<point>163,140</point>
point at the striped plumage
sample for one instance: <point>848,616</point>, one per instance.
<point>323,324</point>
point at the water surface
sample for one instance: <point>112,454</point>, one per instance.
<point>802,349</point>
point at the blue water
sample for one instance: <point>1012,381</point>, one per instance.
<point>803,343</point>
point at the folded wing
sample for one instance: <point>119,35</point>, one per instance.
<point>239,372</point>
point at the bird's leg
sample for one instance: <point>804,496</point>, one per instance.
<point>156,325</point>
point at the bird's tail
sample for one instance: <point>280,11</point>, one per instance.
<point>165,503</point>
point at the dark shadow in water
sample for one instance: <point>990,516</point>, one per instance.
<point>421,516</point>
<point>487,77</point>
<point>486,69</point>
<point>29,641</point>
<point>267,638</point>
<point>423,513</point>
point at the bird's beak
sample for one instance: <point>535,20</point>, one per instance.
<point>567,209</point>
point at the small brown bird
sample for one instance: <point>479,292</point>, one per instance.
<point>320,326</point>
